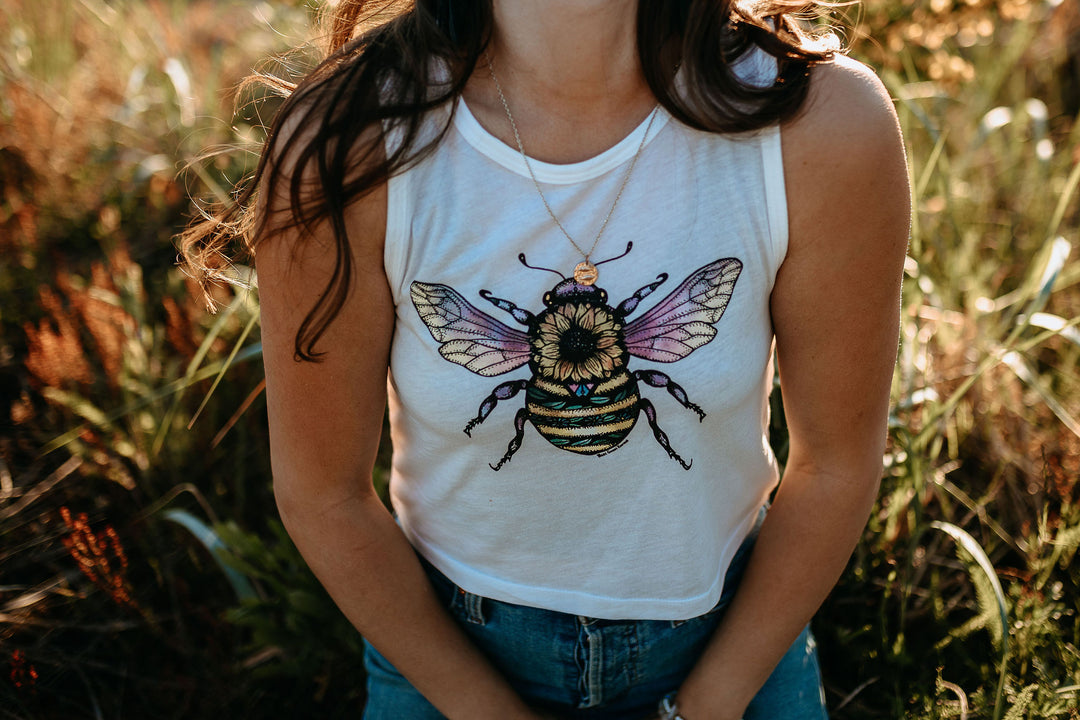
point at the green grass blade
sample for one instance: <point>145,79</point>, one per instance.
<point>216,547</point>
<point>972,547</point>
<point>931,165</point>
<point>225,366</point>
<point>1063,201</point>
<point>1055,262</point>
<point>192,368</point>
<point>82,407</point>
<point>1059,325</point>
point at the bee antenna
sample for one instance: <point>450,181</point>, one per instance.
<point>625,253</point>
<point>521,257</point>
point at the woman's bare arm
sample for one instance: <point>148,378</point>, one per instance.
<point>835,309</point>
<point>325,423</point>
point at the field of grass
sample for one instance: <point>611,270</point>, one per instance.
<point>143,572</point>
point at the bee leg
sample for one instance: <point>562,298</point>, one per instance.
<point>515,444</point>
<point>660,435</point>
<point>628,305</point>
<point>505,391</point>
<point>521,315</point>
<point>660,380</point>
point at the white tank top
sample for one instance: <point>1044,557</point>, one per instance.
<point>643,456</point>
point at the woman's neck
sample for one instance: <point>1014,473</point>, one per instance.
<point>571,52</point>
<point>571,75</point>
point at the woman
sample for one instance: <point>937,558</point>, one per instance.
<point>704,183</point>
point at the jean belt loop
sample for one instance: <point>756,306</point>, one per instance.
<point>474,608</point>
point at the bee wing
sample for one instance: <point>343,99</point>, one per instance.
<point>683,321</point>
<point>467,336</point>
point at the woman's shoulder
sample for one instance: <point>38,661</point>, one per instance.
<point>848,116</point>
<point>844,163</point>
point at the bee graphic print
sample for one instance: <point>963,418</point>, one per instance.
<point>581,396</point>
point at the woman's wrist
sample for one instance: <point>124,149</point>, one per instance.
<point>684,706</point>
<point>669,709</point>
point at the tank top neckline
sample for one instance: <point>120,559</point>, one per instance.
<point>556,173</point>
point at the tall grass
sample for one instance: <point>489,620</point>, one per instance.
<point>141,574</point>
<point>108,608</point>
<point>984,441</point>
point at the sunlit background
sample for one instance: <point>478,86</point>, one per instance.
<point>143,573</point>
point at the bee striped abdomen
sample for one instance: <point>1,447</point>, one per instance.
<point>587,424</point>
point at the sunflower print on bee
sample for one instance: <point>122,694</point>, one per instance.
<point>576,342</point>
<point>580,395</point>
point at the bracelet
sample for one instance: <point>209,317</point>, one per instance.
<point>669,709</point>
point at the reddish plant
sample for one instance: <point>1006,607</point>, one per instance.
<point>23,673</point>
<point>100,556</point>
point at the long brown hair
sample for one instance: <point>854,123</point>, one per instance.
<point>376,75</point>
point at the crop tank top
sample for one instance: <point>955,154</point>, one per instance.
<point>596,450</point>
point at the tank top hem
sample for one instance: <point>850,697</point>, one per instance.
<point>583,603</point>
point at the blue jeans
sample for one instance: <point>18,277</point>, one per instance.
<point>581,667</point>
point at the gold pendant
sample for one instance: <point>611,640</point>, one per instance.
<point>585,273</point>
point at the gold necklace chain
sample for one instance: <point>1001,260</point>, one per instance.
<point>585,272</point>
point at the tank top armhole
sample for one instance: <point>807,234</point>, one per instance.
<point>398,215</point>
<point>775,194</point>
